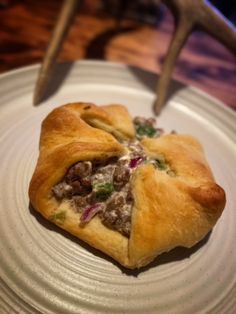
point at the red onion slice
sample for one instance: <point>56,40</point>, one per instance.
<point>135,162</point>
<point>89,212</point>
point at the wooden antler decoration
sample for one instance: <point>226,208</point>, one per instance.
<point>190,15</point>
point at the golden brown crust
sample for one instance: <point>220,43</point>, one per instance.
<point>168,211</point>
<point>173,211</point>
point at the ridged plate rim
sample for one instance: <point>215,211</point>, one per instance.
<point>28,284</point>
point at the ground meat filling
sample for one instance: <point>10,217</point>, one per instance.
<point>103,187</point>
<point>99,188</point>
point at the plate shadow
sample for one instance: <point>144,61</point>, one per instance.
<point>59,73</point>
<point>150,81</point>
<point>146,78</point>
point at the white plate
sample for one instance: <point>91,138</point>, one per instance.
<point>45,270</point>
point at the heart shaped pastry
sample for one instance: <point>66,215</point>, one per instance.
<point>121,185</point>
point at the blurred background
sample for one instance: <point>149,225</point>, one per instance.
<point>227,8</point>
<point>135,32</point>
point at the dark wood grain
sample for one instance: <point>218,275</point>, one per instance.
<point>26,26</point>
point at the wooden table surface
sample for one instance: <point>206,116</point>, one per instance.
<point>26,26</point>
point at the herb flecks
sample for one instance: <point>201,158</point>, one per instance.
<point>161,164</point>
<point>59,218</point>
<point>103,191</point>
<point>146,128</point>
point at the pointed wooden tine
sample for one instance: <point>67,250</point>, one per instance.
<point>184,27</point>
<point>59,33</point>
<point>191,14</point>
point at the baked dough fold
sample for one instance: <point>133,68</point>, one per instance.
<point>168,210</point>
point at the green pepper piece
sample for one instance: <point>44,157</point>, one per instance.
<point>160,163</point>
<point>58,218</point>
<point>145,130</point>
<point>103,191</point>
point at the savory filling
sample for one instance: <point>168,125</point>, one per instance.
<point>146,128</point>
<point>103,188</point>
